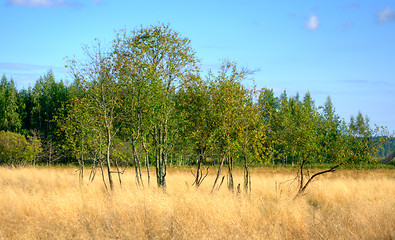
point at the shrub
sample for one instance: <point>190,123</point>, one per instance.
<point>15,150</point>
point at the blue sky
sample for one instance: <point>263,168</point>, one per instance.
<point>338,48</point>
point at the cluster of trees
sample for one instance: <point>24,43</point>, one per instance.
<point>144,100</point>
<point>387,149</point>
<point>31,114</point>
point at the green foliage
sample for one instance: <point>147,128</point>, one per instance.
<point>152,63</point>
<point>333,142</point>
<point>10,108</point>
<point>15,150</point>
<point>194,111</point>
<point>46,101</point>
<point>80,138</point>
<point>144,97</point>
<point>360,139</point>
<point>230,99</point>
<point>386,146</point>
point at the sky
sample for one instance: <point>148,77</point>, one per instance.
<point>337,48</point>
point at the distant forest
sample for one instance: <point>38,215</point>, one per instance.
<point>143,99</point>
<point>387,148</point>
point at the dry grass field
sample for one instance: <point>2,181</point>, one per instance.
<point>49,203</point>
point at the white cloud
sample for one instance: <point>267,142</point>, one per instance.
<point>386,15</point>
<point>42,3</point>
<point>313,23</point>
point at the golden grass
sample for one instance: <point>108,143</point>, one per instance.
<point>49,203</point>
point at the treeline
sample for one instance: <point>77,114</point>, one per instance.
<point>387,148</point>
<point>28,117</point>
<point>143,100</point>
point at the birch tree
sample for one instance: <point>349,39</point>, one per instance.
<point>195,113</point>
<point>160,58</point>
<point>103,97</point>
<point>229,102</point>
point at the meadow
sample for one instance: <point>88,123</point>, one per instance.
<point>49,203</point>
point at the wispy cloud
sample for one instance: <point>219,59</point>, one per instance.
<point>386,15</point>
<point>24,67</point>
<point>26,75</point>
<point>293,15</point>
<point>364,82</point>
<point>18,66</point>
<point>24,80</point>
<point>353,5</point>
<point>30,68</point>
<point>43,3</point>
<point>217,47</point>
<point>347,26</point>
<point>313,23</point>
